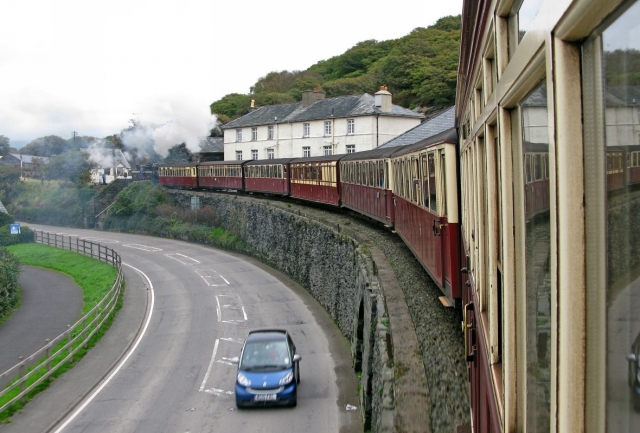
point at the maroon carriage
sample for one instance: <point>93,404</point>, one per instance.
<point>425,199</point>
<point>221,175</point>
<point>365,186</point>
<point>270,176</point>
<point>316,179</point>
<point>178,175</point>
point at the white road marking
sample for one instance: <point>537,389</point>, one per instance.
<point>209,279</point>
<point>122,362</point>
<point>100,240</point>
<point>218,391</point>
<point>218,309</point>
<point>142,247</point>
<point>172,256</point>
<point>213,357</point>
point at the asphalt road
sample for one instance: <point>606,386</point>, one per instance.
<point>50,301</point>
<point>178,378</point>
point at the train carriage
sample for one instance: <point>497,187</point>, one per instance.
<point>221,175</point>
<point>366,186</point>
<point>270,176</point>
<point>316,179</point>
<point>425,208</point>
<point>178,175</point>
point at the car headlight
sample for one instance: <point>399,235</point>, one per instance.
<point>288,378</point>
<point>242,380</point>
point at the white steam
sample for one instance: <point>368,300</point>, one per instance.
<point>166,124</point>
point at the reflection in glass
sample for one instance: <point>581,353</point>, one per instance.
<point>621,71</point>
<point>526,14</point>
<point>535,148</point>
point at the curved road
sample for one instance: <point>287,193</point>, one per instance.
<point>179,379</point>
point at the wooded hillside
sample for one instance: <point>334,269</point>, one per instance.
<point>419,69</point>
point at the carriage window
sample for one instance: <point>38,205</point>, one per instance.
<point>537,250</point>
<point>433,187</point>
<point>621,69</point>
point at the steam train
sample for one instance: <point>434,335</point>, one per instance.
<point>404,188</point>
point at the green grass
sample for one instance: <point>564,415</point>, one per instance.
<point>95,279</point>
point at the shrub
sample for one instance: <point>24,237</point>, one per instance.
<point>9,288</point>
<point>6,239</point>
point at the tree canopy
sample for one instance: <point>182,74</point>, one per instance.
<point>4,145</point>
<point>419,69</point>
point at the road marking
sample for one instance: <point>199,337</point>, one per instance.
<point>99,240</point>
<point>213,357</point>
<point>218,391</point>
<point>122,362</point>
<point>142,247</point>
<point>172,256</point>
<point>233,306</point>
<point>209,279</point>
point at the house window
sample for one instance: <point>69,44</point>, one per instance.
<point>254,134</point>
<point>327,127</point>
<point>306,152</point>
<point>270,153</point>
<point>254,154</point>
<point>351,148</point>
<point>238,155</point>
<point>328,150</point>
<point>238,135</point>
<point>351,126</point>
<point>306,129</point>
<point>270,132</point>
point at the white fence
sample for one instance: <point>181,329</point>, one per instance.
<point>73,339</point>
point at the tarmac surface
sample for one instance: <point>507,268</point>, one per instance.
<point>45,314</point>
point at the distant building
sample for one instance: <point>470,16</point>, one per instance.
<point>317,126</point>
<point>211,149</point>
<point>434,124</point>
<point>28,164</point>
<point>117,168</point>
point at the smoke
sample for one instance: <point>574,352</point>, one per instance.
<point>165,124</point>
<point>100,152</point>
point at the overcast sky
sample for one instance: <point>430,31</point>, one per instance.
<point>92,65</point>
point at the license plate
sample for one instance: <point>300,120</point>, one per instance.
<point>264,397</point>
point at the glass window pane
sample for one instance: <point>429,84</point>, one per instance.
<point>621,71</point>
<point>535,143</point>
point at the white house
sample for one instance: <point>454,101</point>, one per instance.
<point>317,126</point>
<point>113,165</point>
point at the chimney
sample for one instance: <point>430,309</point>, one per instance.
<point>383,99</point>
<point>310,96</point>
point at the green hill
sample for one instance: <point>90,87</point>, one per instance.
<point>420,70</point>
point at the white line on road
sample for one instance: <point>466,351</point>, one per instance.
<point>172,256</point>
<point>142,247</point>
<point>213,357</point>
<point>122,362</point>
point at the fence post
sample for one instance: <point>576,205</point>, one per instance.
<point>48,355</point>
<point>21,374</point>
<point>69,348</point>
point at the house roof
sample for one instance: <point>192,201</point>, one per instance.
<point>440,121</point>
<point>212,144</point>
<point>30,159</point>
<point>338,107</point>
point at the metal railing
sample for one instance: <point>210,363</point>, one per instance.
<point>61,349</point>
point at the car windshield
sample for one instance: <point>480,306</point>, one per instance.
<point>265,354</point>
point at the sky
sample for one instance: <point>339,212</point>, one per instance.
<point>92,66</point>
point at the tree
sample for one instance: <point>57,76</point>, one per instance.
<point>46,146</point>
<point>4,146</point>
<point>73,166</point>
<point>9,175</point>
<point>179,153</point>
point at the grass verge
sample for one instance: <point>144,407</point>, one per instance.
<point>95,278</point>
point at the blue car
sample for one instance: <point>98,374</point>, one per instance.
<point>268,370</point>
